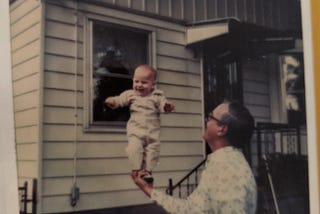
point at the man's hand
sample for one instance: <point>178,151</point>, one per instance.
<point>169,107</point>
<point>144,186</point>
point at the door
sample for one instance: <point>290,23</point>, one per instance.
<point>222,81</point>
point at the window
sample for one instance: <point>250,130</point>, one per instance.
<point>115,51</point>
<point>293,83</point>
<point>221,82</point>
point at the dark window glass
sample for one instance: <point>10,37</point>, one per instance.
<point>117,51</point>
<point>221,82</point>
<point>293,80</point>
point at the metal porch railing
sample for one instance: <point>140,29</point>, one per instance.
<point>189,181</point>
<point>24,200</point>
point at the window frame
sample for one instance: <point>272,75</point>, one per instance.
<point>284,110</point>
<point>89,125</point>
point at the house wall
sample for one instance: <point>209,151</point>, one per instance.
<point>26,24</point>
<point>101,168</point>
<point>256,96</point>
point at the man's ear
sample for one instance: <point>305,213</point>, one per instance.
<point>223,129</point>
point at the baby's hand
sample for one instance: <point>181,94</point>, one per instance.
<point>110,102</point>
<point>169,107</point>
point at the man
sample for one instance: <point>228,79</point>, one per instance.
<point>227,184</point>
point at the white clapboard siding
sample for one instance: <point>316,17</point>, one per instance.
<point>175,37</point>
<point>181,92</point>
<point>27,152</point>
<point>66,150</point>
<point>20,55</point>
<point>64,31</point>
<point>94,201</point>
<point>20,40</point>
<point>28,134</point>
<point>109,166</point>
<point>26,101</point>
<point>62,98</point>
<point>26,118</point>
<point>61,14</point>
<point>63,133</point>
<point>102,184</point>
<point>256,90</point>
<point>29,67</point>
<point>28,20</point>
<point>187,106</point>
<point>176,64</point>
<point>25,84</point>
<point>20,9</point>
<point>62,64</point>
<point>179,78</point>
<point>27,169</point>
<point>181,148</point>
<point>62,115</point>
<point>62,47</point>
<point>62,81</point>
<point>181,120</point>
<point>167,63</point>
<point>173,50</point>
<point>25,19</point>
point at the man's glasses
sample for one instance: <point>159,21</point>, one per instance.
<point>211,117</point>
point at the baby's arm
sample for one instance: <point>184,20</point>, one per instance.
<point>169,107</point>
<point>110,102</point>
<point>119,101</point>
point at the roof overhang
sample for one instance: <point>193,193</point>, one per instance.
<point>238,38</point>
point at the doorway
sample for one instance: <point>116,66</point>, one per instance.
<point>222,81</point>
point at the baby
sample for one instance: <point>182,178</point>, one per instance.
<point>143,128</point>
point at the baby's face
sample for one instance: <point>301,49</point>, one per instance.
<point>143,82</point>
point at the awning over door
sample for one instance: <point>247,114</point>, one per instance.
<point>232,37</point>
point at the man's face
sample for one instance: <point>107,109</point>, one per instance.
<point>213,128</point>
<point>143,82</point>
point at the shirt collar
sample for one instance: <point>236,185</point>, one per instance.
<point>221,152</point>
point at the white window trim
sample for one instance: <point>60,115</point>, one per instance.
<point>88,124</point>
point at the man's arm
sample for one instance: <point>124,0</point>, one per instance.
<point>196,203</point>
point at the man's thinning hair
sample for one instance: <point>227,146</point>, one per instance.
<point>240,124</point>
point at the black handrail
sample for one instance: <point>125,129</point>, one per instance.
<point>24,197</point>
<point>172,187</point>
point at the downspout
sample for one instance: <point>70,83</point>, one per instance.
<point>41,105</point>
<point>75,190</point>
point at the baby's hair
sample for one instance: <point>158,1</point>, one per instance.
<point>150,68</point>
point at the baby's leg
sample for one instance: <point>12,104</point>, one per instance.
<point>135,152</point>
<point>152,154</point>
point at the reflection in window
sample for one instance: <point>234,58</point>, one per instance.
<point>293,79</point>
<point>117,51</point>
<point>221,82</point>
